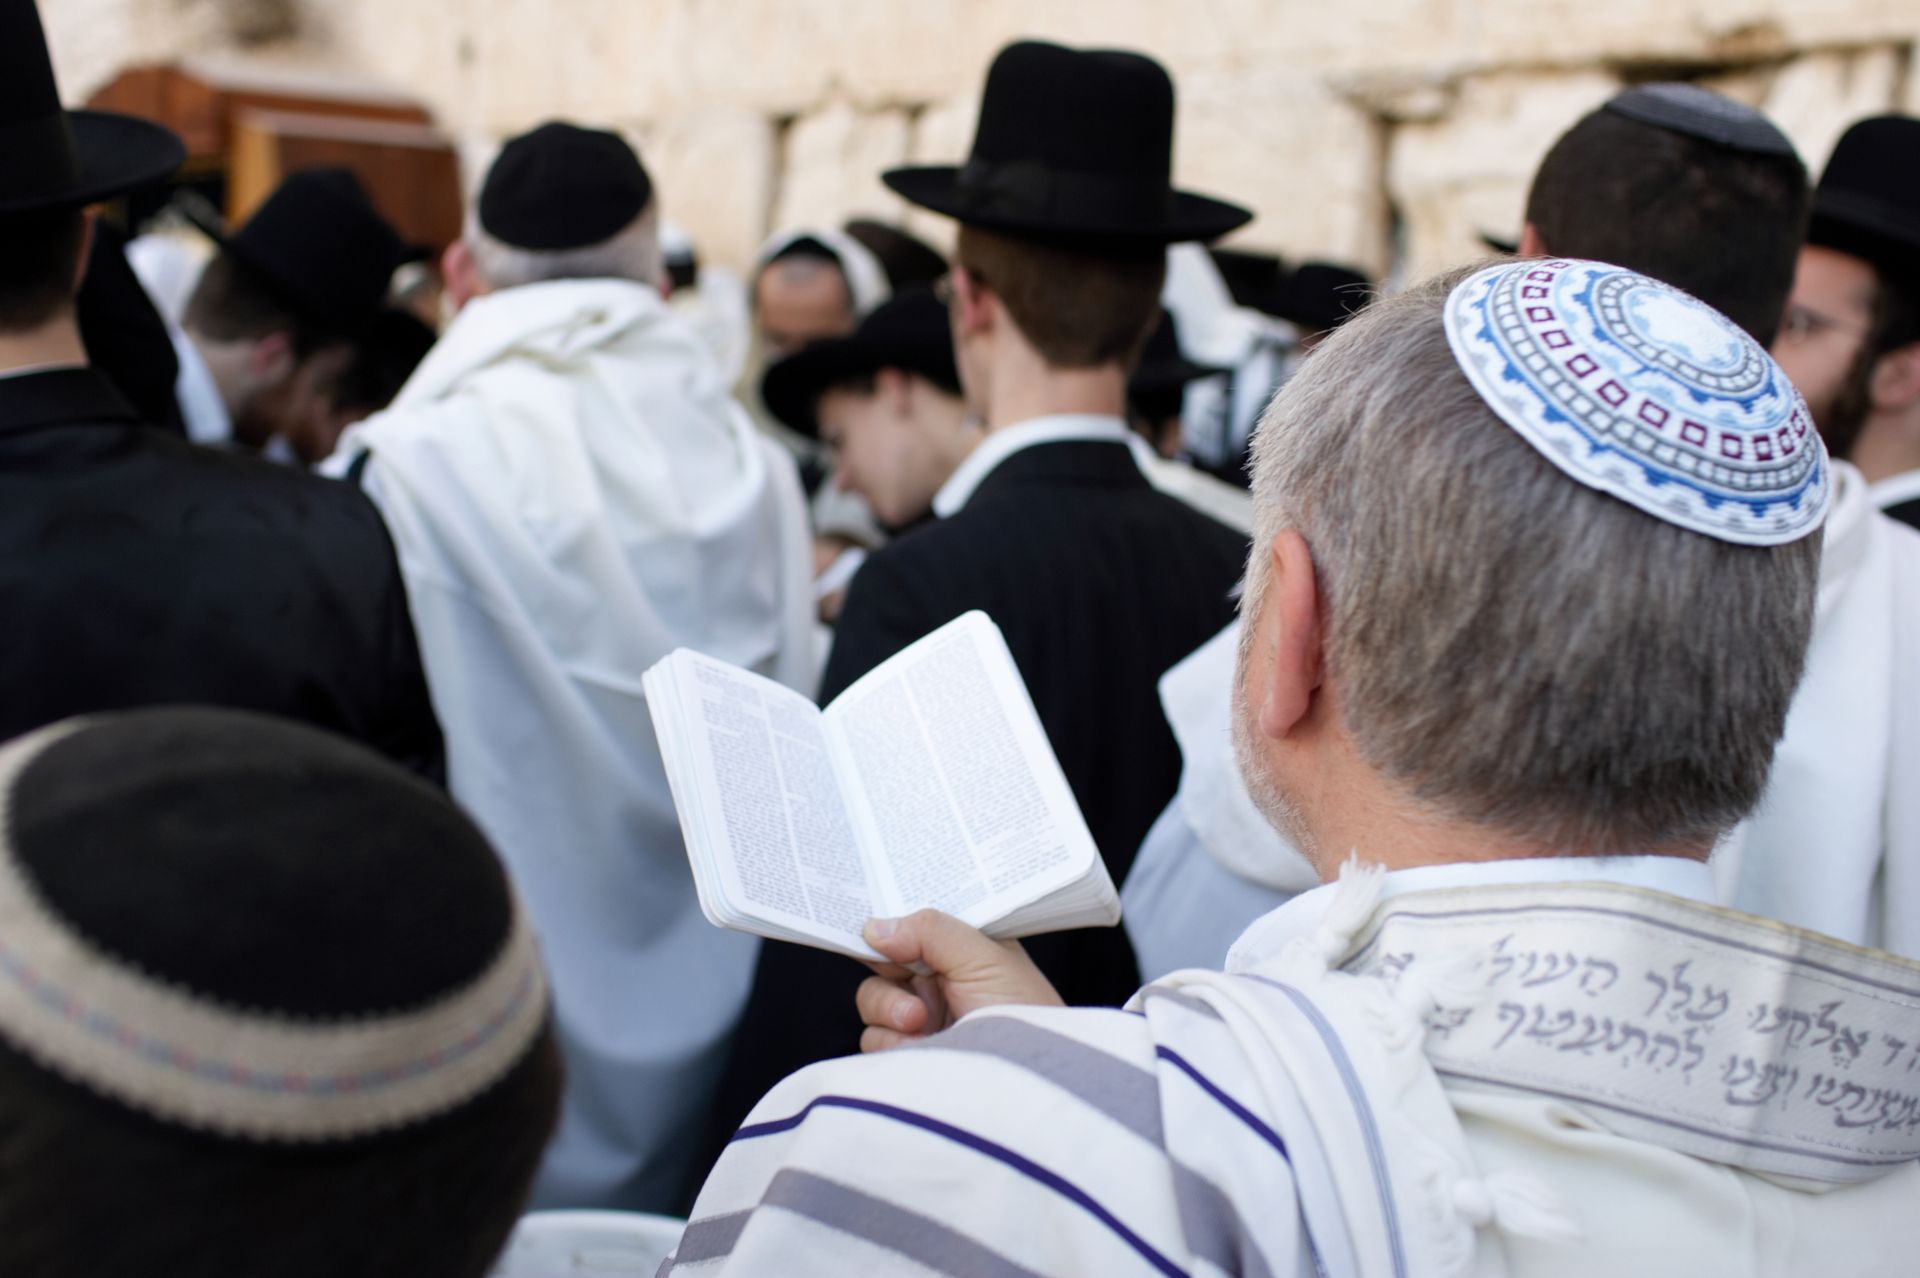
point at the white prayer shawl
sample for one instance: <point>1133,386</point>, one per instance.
<point>1846,776</point>
<point>573,495</point>
<point>1524,1079</point>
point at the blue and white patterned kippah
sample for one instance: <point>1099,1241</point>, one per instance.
<point>1639,390</point>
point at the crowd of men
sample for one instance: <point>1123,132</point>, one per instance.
<point>1497,701</point>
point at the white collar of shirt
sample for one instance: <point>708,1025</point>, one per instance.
<point>1673,875</point>
<point>201,407</point>
<point>1005,442</point>
<point>8,375</point>
<point>1895,489</point>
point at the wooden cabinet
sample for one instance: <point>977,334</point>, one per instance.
<point>248,128</point>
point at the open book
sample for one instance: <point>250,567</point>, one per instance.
<point>929,782</point>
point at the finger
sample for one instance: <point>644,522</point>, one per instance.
<point>885,1004</point>
<point>940,941</point>
<point>890,971</point>
<point>875,1039</point>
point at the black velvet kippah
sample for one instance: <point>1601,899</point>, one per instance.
<point>1702,113</point>
<point>563,187</point>
<point>253,928</point>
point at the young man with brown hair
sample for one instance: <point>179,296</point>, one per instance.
<point>1098,581</point>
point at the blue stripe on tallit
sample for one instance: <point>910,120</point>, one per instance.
<point>1376,1151</point>
<point>979,1144</point>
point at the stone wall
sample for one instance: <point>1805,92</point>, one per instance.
<point>1387,132</point>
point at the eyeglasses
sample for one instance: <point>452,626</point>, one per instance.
<point>1803,324</point>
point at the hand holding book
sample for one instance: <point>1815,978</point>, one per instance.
<point>929,783</point>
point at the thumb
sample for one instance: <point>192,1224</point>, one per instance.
<point>940,942</point>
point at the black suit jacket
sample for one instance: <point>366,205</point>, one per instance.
<point>1907,512</point>
<point>1100,583</point>
<point>137,569</point>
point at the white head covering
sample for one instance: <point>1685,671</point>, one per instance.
<point>866,279</point>
<point>1639,390</point>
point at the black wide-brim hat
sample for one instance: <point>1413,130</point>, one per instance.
<point>1164,366</point>
<point>58,159</point>
<point>320,245</point>
<point>1868,200</point>
<point>909,332</point>
<point>1072,144</point>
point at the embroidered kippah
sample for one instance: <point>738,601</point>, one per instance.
<point>171,940</point>
<point>1639,390</point>
<point>1702,113</point>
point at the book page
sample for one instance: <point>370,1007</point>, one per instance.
<point>955,781</point>
<point>785,840</point>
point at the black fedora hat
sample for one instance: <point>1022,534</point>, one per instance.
<point>1072,144</point>
<point>1868,200</point>
<point>320,246</point>
<point>1163,365</point>
<point>58,159</point>
<point>1255,280</point>
<point>1324,295</point>
<point>909,332</point>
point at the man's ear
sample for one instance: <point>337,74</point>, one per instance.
<point>973,304</point>
<point>271,359</point>
<point>1895,386</point>
<point>1531,245</point>
<point>895,389</point>
<point>1290,630</point>
<point>86,249</point>
<point>462,274</point>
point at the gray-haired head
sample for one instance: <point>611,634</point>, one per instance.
<point>1510,647</point>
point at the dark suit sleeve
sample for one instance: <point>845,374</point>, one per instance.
<point>398,714</point>
<point>407,730</point>
<point>886,609</point>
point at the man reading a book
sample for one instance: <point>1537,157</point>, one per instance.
<point>1536,556</point>
<point>1098,581</point>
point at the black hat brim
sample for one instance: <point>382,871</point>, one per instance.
<point>1189,217</point>
<point>113,155</point>
<point>791,388</point>
<point>1868,229</point>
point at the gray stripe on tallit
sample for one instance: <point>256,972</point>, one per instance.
<point>707,1239</point>
<point>1197,1006</point>
<point>919,1238</point>
<point>1213,1228</point>
<point>1127,1094</point>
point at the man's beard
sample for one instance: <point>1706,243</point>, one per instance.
<point>1281,812</point>
<point>1843,417</point>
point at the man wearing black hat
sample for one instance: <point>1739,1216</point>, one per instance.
<point>575,495</point>
<point>1098,581</point>
<point>1852,335</point>
<point>136,569</point>
<point>267,1006</point>
<point>271,323</point>
<point>886,401</point>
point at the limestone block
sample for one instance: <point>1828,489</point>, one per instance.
<point>1453,178</point>
<point>715,174</point>
<point>1815,98</point>
<point>941,134</point>
<point>830,165</point>
<point>1307,162</point>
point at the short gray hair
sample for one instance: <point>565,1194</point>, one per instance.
<point>632,253</point>
<point>1515,649</point>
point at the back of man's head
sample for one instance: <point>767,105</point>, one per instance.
<point>269,1006</point>
<point>39,267</point>
<point>1077,308</point>
<point>562,202</point>
<point>1639,184</point>
<point>234,303</point>
<point>1512,648</point>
